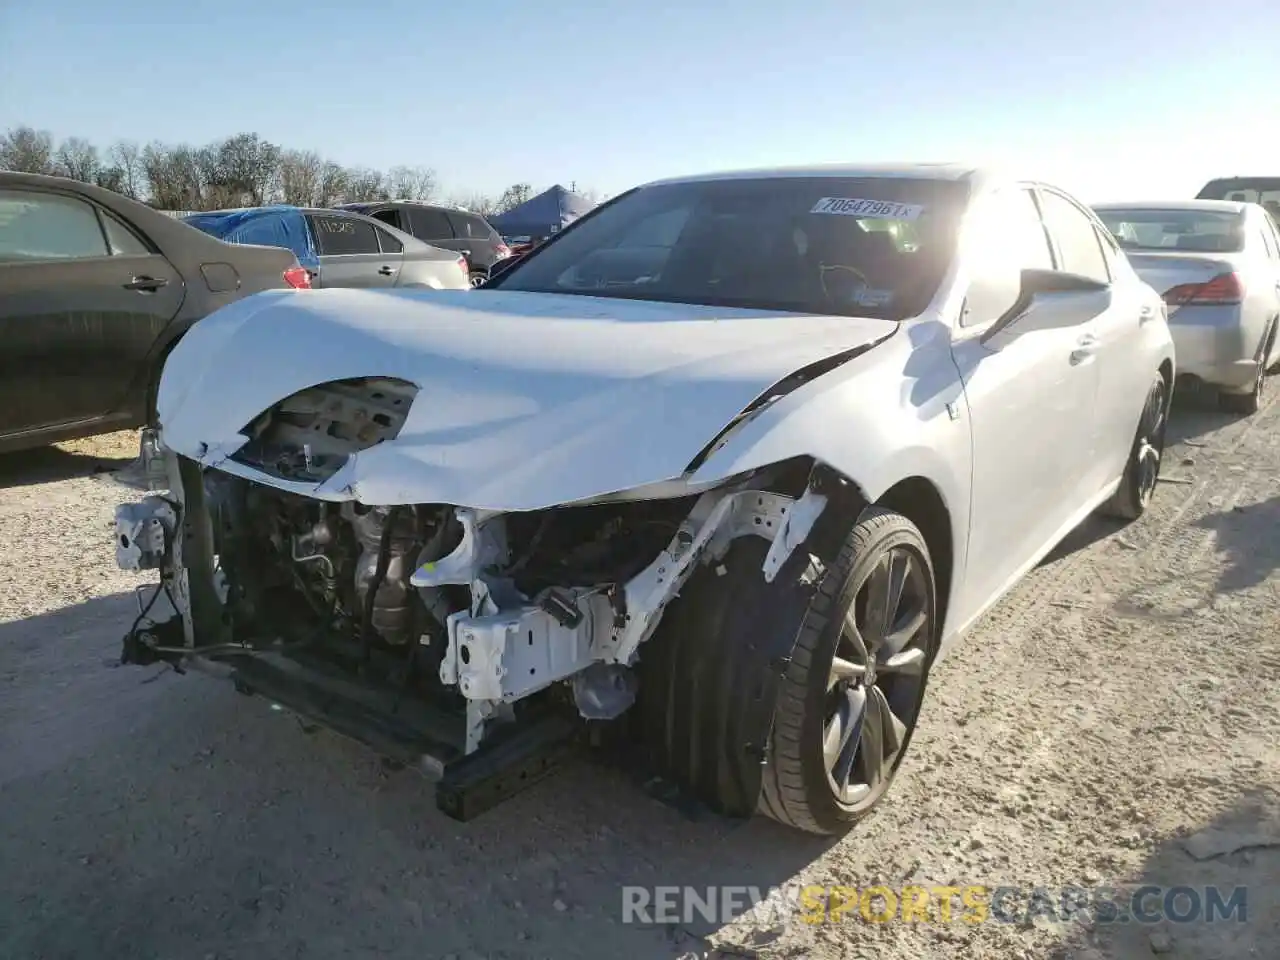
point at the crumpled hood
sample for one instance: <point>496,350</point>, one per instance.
<point>525,400</point>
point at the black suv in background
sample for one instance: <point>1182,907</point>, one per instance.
<point>468,233</point>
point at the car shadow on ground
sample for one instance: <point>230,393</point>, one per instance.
<point>47,464</point>
<point>1212,892</point>
<point>1249,535</point>
<point>165,815</point>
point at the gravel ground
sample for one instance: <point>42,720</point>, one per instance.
<point>1121,701</point>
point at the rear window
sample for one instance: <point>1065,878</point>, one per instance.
<point>1199,231</point>
<point>868,246</point>
<point>469,227</point>
<point>273,231</point>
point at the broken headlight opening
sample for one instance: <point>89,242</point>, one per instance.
<point>469,644</point>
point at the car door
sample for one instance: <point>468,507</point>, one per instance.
<point>432,226</point>
<point>1082,245</point>
<point>349,253</point>
<point>84,299</point>
<point>392,252</point>
<point>476,240</point>
<point>1030,396</point>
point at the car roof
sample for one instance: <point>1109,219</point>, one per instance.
<point>919,171</point>
<point>1219,206</point>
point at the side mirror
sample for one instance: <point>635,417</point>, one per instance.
<point>1037,284</point>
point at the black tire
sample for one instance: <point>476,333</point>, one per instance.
<point>799,788</point>
<point>478,278</point>
<point>1146,455</point>
<point>1247,404</point>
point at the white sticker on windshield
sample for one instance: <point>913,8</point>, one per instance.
<point>873,298</point>
<point>868,209</point>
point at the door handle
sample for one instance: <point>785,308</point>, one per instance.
<point>1148,313</point>
<point>1086,347</point>
<point>147,284</point>
<point>387,271</point>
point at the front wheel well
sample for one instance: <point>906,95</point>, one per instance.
<point>919,501</point>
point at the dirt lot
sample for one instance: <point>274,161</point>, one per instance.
<point>1122,700</point>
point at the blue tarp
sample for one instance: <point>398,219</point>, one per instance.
<point>275,226</point>
<point>540,216</point>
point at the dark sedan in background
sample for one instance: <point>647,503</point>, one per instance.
<point>94,291</point>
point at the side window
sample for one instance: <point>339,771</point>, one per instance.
<point>469,228</point>
<point>389,243</point>
<point>44,226</point>
<point>341,236</point>
<point>1079,249</point>
<point>124,242</point>
<point>1003,236</point>
<point>429,224</point>
<point>391,217</point>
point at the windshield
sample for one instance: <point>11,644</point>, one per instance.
<point>1201,231</point>
<point>868,247</point>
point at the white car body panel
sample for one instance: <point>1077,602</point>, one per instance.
<point>526,400</point>
<point>531,400</point>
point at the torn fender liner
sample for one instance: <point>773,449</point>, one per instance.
<point>709,677</point>
<point>524,400</point>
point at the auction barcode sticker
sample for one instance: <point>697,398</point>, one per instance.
<point>868,209</point>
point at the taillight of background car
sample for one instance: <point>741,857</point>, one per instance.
<point>298,278</point>
<point>1225,288</point>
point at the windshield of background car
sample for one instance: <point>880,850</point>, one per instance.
<point>874,246</point>
<point>1199,231</point>
<point>1263,191</point>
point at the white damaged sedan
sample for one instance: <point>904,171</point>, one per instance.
<point>721,469</point>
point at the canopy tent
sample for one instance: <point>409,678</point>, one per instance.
<point>543,215</point>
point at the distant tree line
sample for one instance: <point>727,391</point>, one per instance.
<point>241,171</point>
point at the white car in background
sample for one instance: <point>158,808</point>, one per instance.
<point>1217,265</point>
<point>736,456</point>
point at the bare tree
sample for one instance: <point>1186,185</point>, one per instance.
<point>244,169</point>
<point>126,157</point>
<point>513,196</point>
<point>301,177</point>
<point>363,184</point>
<point>77,158</point>
<point>176,176</point>
<point>333,184</point>
<point>480,203</point>
<point>411,183</point>
<point>27,150</point>
<point>112,178</point>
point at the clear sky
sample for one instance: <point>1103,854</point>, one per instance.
<point>1110,98</point>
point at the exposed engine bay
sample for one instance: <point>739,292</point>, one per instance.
<point>409,612</point>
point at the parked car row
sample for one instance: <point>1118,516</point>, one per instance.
<point>340,248</point>
<point>65,247</point>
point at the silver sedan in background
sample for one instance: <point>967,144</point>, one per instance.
<point>1216,263</point>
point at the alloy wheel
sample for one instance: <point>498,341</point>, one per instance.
<point>876,680</point>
